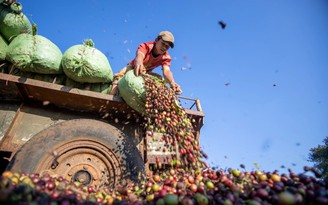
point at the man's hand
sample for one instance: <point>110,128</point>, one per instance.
<point>139,69</point>
<point>176,88</point>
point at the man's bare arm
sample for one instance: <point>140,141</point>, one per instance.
<point>138,64</point>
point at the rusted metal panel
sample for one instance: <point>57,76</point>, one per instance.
<point>7,114</point>
<point>27,122</point>
<point>8,88</point>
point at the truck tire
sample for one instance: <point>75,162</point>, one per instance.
<point>88,151</point>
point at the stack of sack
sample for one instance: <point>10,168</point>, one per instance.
<point>12,23</point>
<point>34,56</point>
<point>81,66</point>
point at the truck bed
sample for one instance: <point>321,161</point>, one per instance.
<point>20,88</point>
<point>16,88</point>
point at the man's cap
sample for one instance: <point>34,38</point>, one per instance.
<point>167,36</point>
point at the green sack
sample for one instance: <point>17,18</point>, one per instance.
<point>35,53</point>
<point>18,72</point>
<point>103,88</point>
<point>13,22</point>
<point>50,78</point>
<point>3,48</point>
<point>86,64</point>
<point>132,90</point>
<point>73,84</point>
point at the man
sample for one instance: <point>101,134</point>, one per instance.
<point>149,56</point>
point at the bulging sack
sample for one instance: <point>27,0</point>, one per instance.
<point>3,48</point>
<point>86,64</point>
<point>13,21</point>
<point>104,88</point>
<point>35,53</point>
<point>50,78</point>
<point>132,90</point>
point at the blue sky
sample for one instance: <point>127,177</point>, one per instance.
<point>262,81</point>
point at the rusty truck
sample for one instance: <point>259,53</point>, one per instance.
<point>85,136</point>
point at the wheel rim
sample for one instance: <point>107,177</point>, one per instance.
<point>86,161</point>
